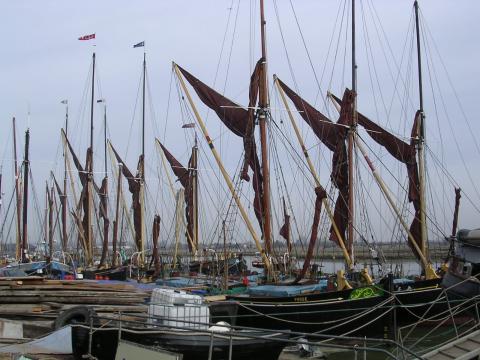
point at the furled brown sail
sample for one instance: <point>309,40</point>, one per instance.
<point>285,229</point>
<point>185,177</point>
<point>333,137</point>
<point>241,122</point>
<point>405,153</point>
<point>320,195</point>
<point>134,188</point>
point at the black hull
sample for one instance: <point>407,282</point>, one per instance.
<point>333,317</point>
<point>333,313</point>
<point>192,345</point>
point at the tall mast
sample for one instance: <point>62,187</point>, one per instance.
<point>142,166</point>
<point>262,118</point>
<point>18,252</point>
<point>104,135</point>
<point>26,166</point>
<point>91,105</point>
<point>50,221</point>
<point>104,189</point>
<point>143,108</point>
<point>195,192</point>
<point>421,141</point>
<point>64,196</point>
<point>89,229</point>
<point>351,142</point>
<point>115,223</point>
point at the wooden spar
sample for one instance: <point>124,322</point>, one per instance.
<point>45,217</point>
<point>105,136</point>
<point>262,120</point>
<point>1,170</point>
<point>225,261</point>
<point>142,170</point>
<point>26,168</point>
<point>351,143</point>
<point>455,212</point>
<point>421,142</point>
<point>104,196</point>
<point>63,199</point>
<point>194,184</point>
<point>429,271</point>
<point>225,175</point>
<point>179,210</point>
<point>316,178</point>
<point>142,216</point>
<point>18,248</point>
<point>89,230</point>
<point>143,104</point>
<point>50,195</point>
<point>115,223</point>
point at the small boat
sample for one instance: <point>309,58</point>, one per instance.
<point>114,273</point>
<point>462,278</point>
<point>192,344</point>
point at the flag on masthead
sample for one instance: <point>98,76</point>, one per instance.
<point>87,37</point>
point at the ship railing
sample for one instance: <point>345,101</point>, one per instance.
<point>462,316</point>
<point>140,324</point>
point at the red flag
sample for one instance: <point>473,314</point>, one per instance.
<point>87,37</point>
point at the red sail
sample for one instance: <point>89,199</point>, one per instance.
<point>186,179</point>
<point>155,235</point>
<point>285,229</point>
<point>405,153</point>
<point>323,127</point>
<point>180,172</point>
<point>455,212</point>
<point>333,137</point>
<point>340,169</point>
<point>241,123</point>
<point>321,194</point>
<point>232,115</point>
<point>134,188</point>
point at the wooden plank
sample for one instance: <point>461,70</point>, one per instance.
<point>85,300</point>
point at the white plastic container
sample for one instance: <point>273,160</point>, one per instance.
<point>174,308</point>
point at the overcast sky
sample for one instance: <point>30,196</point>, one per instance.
<point>42,62</point>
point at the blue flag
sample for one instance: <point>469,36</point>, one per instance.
<point>140,44</point>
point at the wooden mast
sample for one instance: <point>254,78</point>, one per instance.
<point>195,194</point>
<point>50,197</point>
<point>142,168</point>
<point>351,144</point>
<point>18,249</point>
<point>89,229</point>
<point>262,120</point>
<point>421,142</point>
<point>26,167</point>
<point>104,189</point>
<point>115,223</point>
<point>63,199</point>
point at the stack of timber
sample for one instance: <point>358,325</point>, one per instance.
<point>37,302</point>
